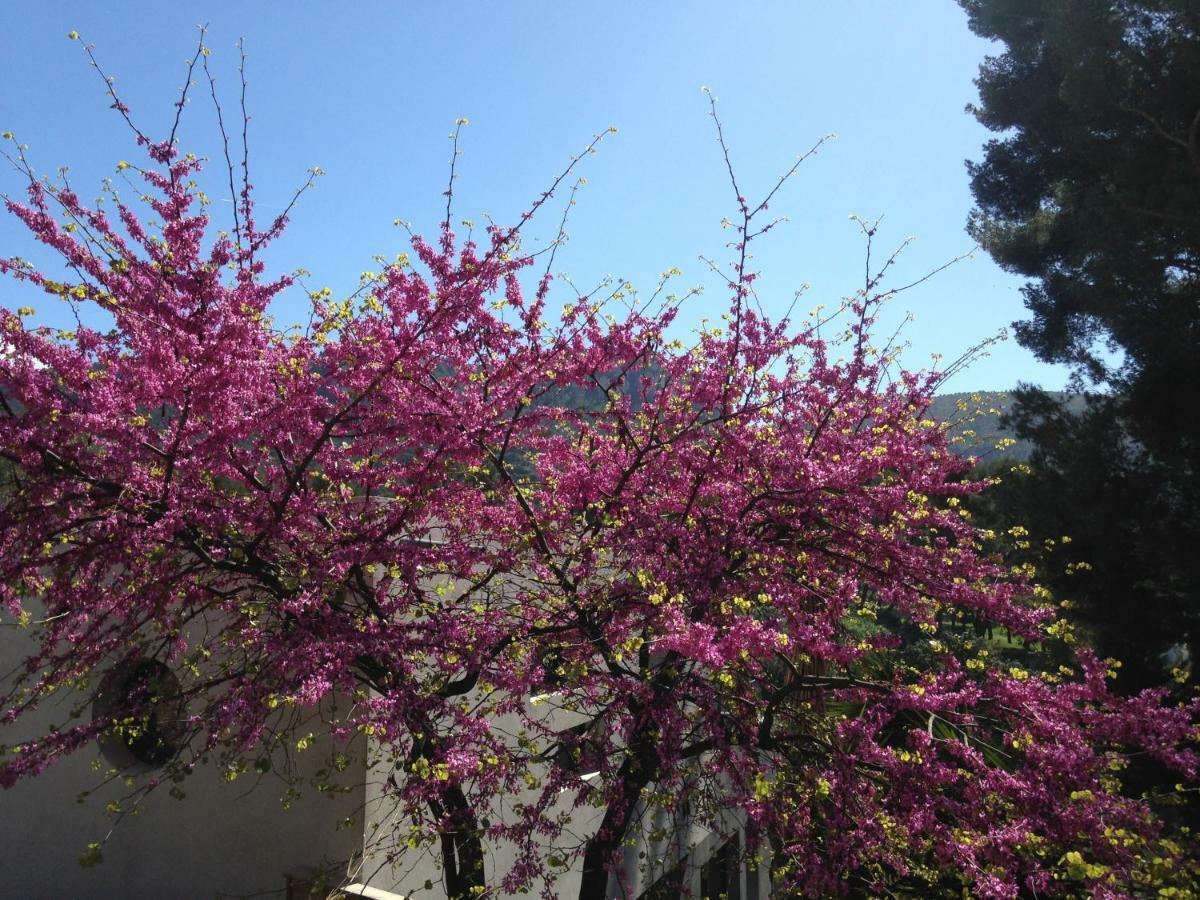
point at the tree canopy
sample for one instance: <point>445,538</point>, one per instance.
<point>1092,186</point>
<point>745,574</point>
<point>1091,190</point>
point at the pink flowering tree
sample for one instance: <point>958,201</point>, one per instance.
<point>441,504</point>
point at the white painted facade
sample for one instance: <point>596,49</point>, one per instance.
<point>222,840</point>
<point>234,839</point>
<point>689,850</point>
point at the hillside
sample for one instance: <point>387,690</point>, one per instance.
<point>978,428</point>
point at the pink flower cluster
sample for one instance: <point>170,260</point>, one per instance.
<point>442,500</point>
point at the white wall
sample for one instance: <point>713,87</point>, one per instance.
<point>644,863</point>
<point>222,840</point>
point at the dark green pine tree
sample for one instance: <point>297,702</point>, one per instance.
<point>1091,190</point>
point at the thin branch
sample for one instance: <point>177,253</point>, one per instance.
<point>117,103</point>
<point>233,198</point>
<point>187,83</point>
<point>449,195</point>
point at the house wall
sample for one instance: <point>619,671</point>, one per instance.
<point>687,844</point>
<point>223,840</point>
<point>389,865</point>
<point>226,840</point>
<point>385,833</point>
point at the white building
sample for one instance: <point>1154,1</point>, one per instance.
<point>208,837</point>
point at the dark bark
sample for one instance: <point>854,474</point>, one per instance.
<point>462,849</point>
<point>638,770</point>
<point>459,832</point>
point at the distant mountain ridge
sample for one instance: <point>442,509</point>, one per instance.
<point>977,423</point>
<point>976,417</point>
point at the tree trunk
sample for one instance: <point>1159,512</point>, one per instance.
<point>634,775</point>
<point>462,849</point>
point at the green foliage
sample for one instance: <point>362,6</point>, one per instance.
<point>1092,191</point>
<point>91,856</point>
<point>1115,531</point>
<point>1093,188</point>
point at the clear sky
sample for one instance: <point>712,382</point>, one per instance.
<point>369,91</point>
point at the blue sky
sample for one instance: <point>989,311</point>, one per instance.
<point>369,91</point>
